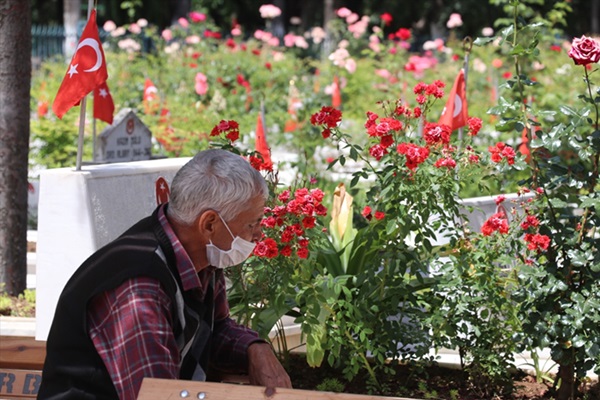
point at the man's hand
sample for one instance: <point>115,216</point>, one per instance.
<point>264,369</point>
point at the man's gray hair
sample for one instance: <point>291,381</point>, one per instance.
<point>214,180</point>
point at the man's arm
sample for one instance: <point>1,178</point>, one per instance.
<point>264,368</point>
<point>236,348</point>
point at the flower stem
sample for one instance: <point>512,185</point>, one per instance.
<point>364,359</point>
<point>594,177</point>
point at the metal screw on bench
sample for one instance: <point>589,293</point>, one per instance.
<point>201,395</point>
<point>184,393</point>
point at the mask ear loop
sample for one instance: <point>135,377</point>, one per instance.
<point>226,226</point>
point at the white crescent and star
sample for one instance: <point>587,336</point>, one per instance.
<point>457,106</point>
<point>148,93</point>
<point>96,47</point>
<point>73,70</point>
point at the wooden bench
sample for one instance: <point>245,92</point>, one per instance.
<point>160,389</point>
<point>21,363</point>
<point>22,360</point>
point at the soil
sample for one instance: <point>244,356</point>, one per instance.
<point>423,382</point>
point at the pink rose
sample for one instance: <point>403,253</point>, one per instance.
<point>201,85</point>
<point>183,22</point>
<point>167,34</point>
<point>584,51</point>
<point>196,16</point>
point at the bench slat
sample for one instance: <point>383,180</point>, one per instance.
<point>19,383</point>
<point>160,389</point>
<point>22,352</point>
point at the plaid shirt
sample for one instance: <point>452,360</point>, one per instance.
<point>131,325</point>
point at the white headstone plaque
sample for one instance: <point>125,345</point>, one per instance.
<point>127,139</point>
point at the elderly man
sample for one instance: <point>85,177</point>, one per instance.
<point>153,302</point>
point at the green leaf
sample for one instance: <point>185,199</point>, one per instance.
<point>482,41</point>
<point>391,226</point>
<point>588,202</point>
<point>579,258</point>
<point>557,203</point>
<point>506,125</point>
<point>353,154</point>
<point>568,111</point>
<point>506,32</point>
<point>518,50</point>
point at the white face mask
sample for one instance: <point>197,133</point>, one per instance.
<point>239,252</point>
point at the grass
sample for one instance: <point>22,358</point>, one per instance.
<point>22,305</point>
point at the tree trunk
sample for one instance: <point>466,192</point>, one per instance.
<point>278,24</point>
<point>595,22</point>
<point>181,9</point>
<point>436,29</point>
<point>327,16</point>
<point>566,376</point>
<point>71,11</point>
<point>15,83</point>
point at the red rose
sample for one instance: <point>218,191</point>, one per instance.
<point>474,125</point>
<point>386,18</point>
<point>403,34</point>
<point>585,50</point>
<point>366,212</point>
<point>496,222</point>
<point>302,252</point>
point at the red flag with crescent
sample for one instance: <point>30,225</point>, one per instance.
<point>86,72</point>
<point>293,104</point>
<point>456,113</point>
<point>104,107</point>
<point>151,98</point>
<point>261,142</point>
<point>336,95</point>
<point>524,146</point>
<point>162,190</point>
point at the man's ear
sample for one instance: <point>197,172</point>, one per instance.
<point>207,222</point>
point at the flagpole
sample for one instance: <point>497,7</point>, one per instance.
<point>94,134</point>
<point>81,128</point>
<point>262,116</point>
<point>82,111</point>
<point>467,46</point>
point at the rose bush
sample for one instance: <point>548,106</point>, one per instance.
<point>395,269</point>
<point>421,277</point>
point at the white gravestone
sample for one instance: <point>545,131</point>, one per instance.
<point>80,211</point>
<point>127,139</point>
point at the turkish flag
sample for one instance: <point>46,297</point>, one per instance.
<point>261,142</point>
<point>292,123</point>
<point>524,146</point>
<point>165,113</point>
<point>87,70</point>
<point>104,107</point>
<point>455,114</point>
<point>150,99</point>
<point>162,190</point>
<point>336,96</point>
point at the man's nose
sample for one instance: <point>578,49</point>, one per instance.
<point>257,234</point>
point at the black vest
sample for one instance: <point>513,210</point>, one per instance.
<point>73,369</point>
